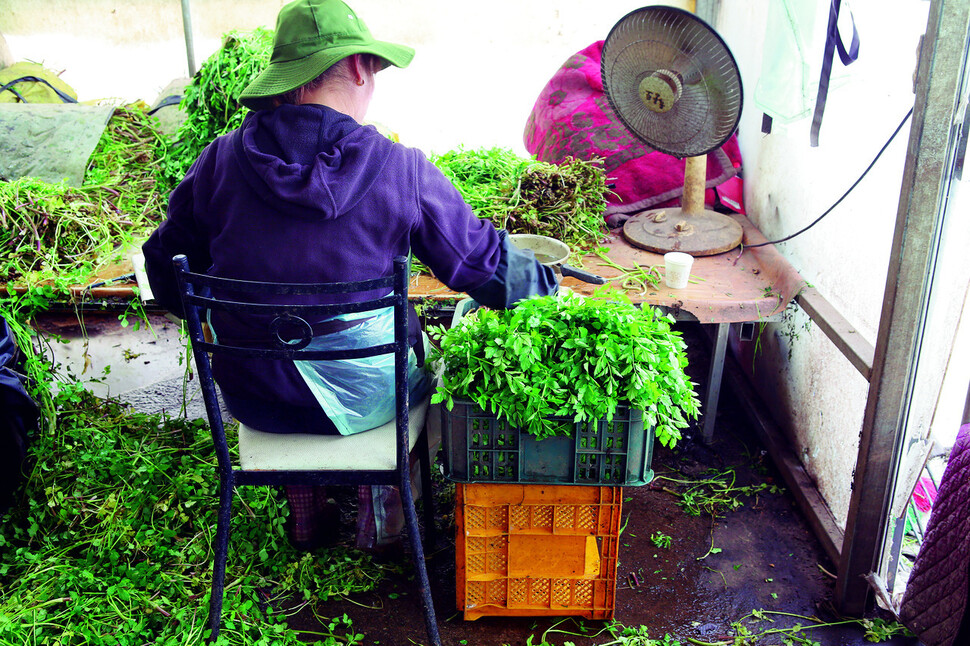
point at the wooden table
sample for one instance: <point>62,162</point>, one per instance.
<point>744,285</point>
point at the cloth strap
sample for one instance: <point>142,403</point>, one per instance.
<point>833,41</point>
<point>8,87</point>
<point>333,326</point>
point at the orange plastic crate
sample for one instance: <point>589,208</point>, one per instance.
<point>536,550</point>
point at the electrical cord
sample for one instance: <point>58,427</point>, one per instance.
<point>844,195</point>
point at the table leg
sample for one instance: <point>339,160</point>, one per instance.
<point>714,381</point>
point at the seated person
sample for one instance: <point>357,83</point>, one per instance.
<point>302,192</point>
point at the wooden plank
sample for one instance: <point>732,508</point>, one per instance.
<point>837,328</point>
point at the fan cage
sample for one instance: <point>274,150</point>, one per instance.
<point>671,40</point>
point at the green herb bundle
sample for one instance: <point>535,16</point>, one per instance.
<point>44,226</point>
<point>567,355</point>
<point>211,101</point>
<point>564,201</point>
<point>484,177</point>
<point>126,165</point>
<point>55,230</point>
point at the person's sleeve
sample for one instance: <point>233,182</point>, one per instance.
<point>466,252</point>
<point>178,234</point>
<point>517,276</point>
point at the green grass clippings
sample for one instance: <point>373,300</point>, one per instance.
<point>109,540</point>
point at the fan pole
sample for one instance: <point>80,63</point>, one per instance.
<point>695,180</point>
<point>692,228</point>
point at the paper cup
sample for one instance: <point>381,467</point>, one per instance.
<point>677,269</point>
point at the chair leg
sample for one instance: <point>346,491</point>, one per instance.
<point>417,552</point>
<point>426,462</point>
<point>221,551</point>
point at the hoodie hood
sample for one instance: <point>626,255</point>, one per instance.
<point>317,160</point>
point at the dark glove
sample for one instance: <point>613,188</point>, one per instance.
<point>517,276</point>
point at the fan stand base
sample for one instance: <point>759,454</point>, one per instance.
<point>699,234</point>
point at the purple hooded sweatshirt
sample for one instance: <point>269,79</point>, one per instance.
<point>306,194</point>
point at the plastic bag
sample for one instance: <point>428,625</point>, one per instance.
<point>358,394</point>
<point>792,59</point>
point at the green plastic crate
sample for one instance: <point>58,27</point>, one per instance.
<point>478,447</point>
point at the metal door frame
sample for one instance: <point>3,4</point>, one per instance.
<point>930,161</point>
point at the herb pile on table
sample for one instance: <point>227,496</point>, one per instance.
<point>55,232</point>
<point>565,201</point>
<point>63,232</point>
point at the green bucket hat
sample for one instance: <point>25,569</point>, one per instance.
<point>312,35</point>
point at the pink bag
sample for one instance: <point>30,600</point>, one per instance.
<point>572,118</point>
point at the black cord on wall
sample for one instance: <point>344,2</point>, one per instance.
<point>844,195</point>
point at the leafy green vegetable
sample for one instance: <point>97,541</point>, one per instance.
<point>564,201</point>
<point>109,542</point>
<point>211,101</point>
<point>567,355</point>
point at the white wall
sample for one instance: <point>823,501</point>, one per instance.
<point>789,184</point>
<point>478,69</point>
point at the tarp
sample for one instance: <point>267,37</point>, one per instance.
<point>27,82</point>
<point>48,141</point>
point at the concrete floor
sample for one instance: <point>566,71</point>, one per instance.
<point>144,367</point>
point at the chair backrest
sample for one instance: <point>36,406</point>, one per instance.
<point>289,315</point>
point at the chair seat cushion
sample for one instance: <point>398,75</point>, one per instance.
<point>374,449</point>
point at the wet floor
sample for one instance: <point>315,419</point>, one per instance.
<point>714,572</point>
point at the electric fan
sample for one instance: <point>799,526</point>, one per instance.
<point>674,84</point>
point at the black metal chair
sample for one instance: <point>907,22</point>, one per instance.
<point>376,457</point>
